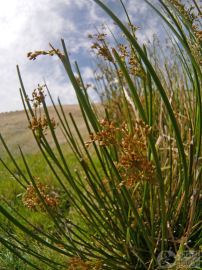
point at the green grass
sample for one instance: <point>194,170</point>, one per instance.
<point>13,193</point>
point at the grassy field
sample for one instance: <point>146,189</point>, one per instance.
<point>15,132</point>
<point>13,128</point>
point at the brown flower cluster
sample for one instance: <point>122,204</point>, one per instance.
<point>101,46</point>
<point>186,11</point>
<point>86,86</point>
<point>134,28</point>
<point>33,201</point>
<point>198,34</point>
<point>78,81</point>
<point>135,68</point>
<point>131,56</point>
<point>192,17</point>
<point>134,159</point>
<point>195,47</point>
<point>33,55</point>
<point>107,136</point>
<point>37,97</point>
<point>133,149</point>
<point>76,263</point>
<point>41,125</point>
<point>128,55</point>
<point>124,51</point>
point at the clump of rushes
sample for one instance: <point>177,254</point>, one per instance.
<point>141,191</point>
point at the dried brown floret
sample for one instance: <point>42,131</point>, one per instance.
<point>33,201</point>
<point>101,47</point>
<point>33,55</point>
<point>133,149</point>
<point>41,125</point>
<point>77,263</point>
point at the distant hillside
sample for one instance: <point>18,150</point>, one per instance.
<point>13,127</point>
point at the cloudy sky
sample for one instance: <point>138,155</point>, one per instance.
<point>26,26</point>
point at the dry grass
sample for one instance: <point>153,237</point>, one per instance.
<point>13,127</point>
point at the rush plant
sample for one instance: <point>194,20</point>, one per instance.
<point>138,193</point>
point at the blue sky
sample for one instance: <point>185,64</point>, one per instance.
<point>26,26</point>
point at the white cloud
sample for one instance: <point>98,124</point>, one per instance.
<point>30,25</point>
<point>87,73</point>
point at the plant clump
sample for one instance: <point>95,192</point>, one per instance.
<point>137,193</point>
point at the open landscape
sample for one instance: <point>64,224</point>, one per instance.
<point>116,184</point>
<point>13,126</point>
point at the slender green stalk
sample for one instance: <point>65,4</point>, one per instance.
<point>81,96</point>
<point>152,145</point>
<point>17,254</point>
<point>13,160</point>
<point>133,209</point>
